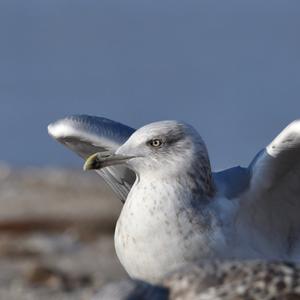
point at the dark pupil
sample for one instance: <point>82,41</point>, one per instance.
<point>156,143</point>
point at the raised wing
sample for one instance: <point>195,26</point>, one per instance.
<point>232,182</point>
<point>86,135</point>
<point>270,208</point>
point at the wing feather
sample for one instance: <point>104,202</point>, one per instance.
<point>270,208</point>
<point>86,135</point>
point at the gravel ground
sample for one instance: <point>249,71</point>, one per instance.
<point>56,234</point>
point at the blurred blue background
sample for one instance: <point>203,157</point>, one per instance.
<point>230,68</point>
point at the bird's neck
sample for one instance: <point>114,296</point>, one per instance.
<point>197,183</point>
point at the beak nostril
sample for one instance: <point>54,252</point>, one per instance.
<point>105,154</point>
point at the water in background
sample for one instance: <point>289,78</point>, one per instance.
<point>230,68</point>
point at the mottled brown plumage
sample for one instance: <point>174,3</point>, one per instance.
<point>252,280</point>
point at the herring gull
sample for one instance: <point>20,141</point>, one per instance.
<point>176,210</point>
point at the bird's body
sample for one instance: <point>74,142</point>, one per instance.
<point>161,229</point>
<point>176,209</point>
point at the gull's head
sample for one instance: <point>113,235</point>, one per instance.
<point>166,146</point>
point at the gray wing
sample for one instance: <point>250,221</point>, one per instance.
<point>232,182</point>
<point>86,135</point>
<point>270,207</point>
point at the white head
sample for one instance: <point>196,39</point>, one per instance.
<point>166,146</point>
<point>170,148</point>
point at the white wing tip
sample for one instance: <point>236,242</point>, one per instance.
<point>59,129</point>
<point>295,125</point>
<point>55,130</point>
<point>286,139</point>
<point>51,130</point>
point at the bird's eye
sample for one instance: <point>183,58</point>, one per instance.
<point>155,143</point>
